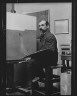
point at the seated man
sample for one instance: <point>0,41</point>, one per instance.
<point>47,41</point>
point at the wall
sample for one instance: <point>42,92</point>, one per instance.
<point>8,7</point>
<point>56,11</point>
<point>61,11</point>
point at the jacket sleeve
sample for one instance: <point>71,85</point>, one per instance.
<point>50,43</point>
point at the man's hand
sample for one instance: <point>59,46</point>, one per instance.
<point>28,58</point>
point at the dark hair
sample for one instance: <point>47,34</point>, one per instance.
<point>47,23</point>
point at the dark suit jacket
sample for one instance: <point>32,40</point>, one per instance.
<point>48,41</point>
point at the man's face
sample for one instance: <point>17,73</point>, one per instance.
<point>42,26</point>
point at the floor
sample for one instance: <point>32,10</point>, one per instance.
<point>19,91</point>
<point>15,93</point>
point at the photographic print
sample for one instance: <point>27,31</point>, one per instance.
<point>61,26</point>
<point>38,49</point>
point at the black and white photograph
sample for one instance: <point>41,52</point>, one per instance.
<point>39,49</point>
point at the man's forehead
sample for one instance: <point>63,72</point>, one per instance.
<point>42,22</point>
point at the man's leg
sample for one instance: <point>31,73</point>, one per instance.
<point>34,70</point>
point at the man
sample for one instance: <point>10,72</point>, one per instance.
<point>47,41</point>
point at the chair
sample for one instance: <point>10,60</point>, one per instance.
<point>66,62</point>
<point>66,57</point>
<point>48,89</point>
